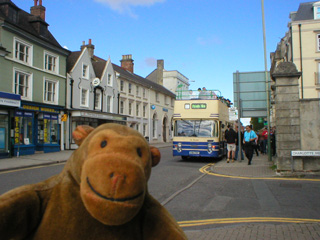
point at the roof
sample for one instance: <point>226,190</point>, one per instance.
<point>305,11</point>
<point>24,22</point>
<point>72,59</point>
<point>143,81</point>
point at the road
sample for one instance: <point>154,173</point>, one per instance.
<point>192,195</point>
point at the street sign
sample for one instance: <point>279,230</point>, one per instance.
<point>64,117</point>
<point>233,114</point>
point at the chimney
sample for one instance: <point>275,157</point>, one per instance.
<point>38,10</point>
<point>160,67</point>
<point>89,46</point>
<point>127,62</point>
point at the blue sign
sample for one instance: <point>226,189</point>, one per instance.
<point>165,109</point>
<point>153,107</point>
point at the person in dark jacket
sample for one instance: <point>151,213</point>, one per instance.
<point>237,146</point>
<point>231,137</point>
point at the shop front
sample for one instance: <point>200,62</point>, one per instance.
<point>91,118</point>
<point>36,128</point>
<point>8,102</point>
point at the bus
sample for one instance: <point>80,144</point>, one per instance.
<point>199,123</point>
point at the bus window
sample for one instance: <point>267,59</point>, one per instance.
<point>196,128</point>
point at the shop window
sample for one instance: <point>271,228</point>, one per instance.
<point>23,128</point>
<point>3,133</point>
<point>48,129</point>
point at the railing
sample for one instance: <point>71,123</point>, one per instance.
<point>197,94</point>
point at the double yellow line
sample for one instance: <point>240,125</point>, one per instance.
<point>205,170</point>
<point>245,220</point>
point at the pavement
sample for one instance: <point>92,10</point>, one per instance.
<point>246,229</point>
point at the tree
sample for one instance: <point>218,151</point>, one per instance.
<point>255,124</point>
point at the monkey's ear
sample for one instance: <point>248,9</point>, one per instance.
<point>80,133</point>
<point>155,155</point>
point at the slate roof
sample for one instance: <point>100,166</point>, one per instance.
<point>99,65</point>
<point>143,81</point>
<point>24,23</point>
<point>305,11</point>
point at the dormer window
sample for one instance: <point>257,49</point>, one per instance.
<point>316,10</point>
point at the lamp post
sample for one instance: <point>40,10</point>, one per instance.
<point>266,78</point>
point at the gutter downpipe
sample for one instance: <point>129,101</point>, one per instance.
<point>301,60</point>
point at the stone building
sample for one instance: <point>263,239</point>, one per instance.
<point>148,105</point>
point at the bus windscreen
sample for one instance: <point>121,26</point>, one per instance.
<point>196,128</point>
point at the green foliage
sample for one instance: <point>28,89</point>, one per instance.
<point>255,123</point>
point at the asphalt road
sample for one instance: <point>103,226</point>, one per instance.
<point>191,195</point>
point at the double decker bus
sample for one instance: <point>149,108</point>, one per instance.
<point>199,123</point>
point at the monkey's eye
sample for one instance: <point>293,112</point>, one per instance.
<point>139,152</point>
<point>103,143</point>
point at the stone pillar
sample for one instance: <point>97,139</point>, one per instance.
<point>287,114</point>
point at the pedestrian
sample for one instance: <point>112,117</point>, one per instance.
<point>249,142</point>
<point>256,146</point>
<point>237,145</point>
<point>265,140</point>
<point>231,137</point>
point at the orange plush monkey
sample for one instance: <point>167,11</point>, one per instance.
<point>100,194</point>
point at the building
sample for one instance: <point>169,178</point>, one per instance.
<point>92,95</point>
<point>149,105</point>
<point>301,45</point>
<point>172,80</point>
<point>33,65</point>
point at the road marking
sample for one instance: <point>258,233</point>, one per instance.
<point>204,169</point>
<point>193,223</point>
<point>28,168</point>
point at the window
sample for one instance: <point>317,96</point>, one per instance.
<point>137,91</point>
<point>121,85</point>
<point>138,127</point>
<point>130,108</point>
<point>172,102</point>
<point>144,108</point>
<point>84,97</point>
<point>154,126</point>
<point>23,51</point>
<point>22,84</point>
<point>121,106</point>
<point>85,71</point>
<point>109,82</point>
<point>318,42</point>
<point>137,109</point>
<point>50,91</point>
<point>97,100</point>
<point>166,100</point>
<point>157,97</point>
<point>109,104</point>
<point>144,92</point>
<point>50,62</point>
<point>130,88</point>
<point>144,129</point>
<point>316,11</point>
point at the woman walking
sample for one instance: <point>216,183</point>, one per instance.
<point>249,141</point>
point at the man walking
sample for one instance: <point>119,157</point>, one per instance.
<point>231,137</point>
<point>249,142</point>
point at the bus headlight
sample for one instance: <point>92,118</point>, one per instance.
<point>209,148</point>
<point>179,147</point>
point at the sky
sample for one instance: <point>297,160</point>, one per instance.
<point>205,40</point>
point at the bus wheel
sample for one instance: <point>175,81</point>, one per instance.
<point>184,157</point>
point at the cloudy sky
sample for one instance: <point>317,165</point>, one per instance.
<point>205,40</point>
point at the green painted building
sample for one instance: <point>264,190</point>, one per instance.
<point>32,66</point>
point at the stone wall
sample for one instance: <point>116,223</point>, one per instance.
<point>296,120</point>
